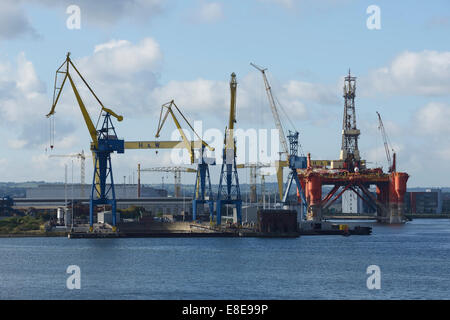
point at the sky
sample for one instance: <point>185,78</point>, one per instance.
<point>139,54</point>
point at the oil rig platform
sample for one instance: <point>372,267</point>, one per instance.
<point>350,173</point>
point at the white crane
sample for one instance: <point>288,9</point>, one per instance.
<point>391,163</point>
<point>82,158</point>
<point>276,117</point>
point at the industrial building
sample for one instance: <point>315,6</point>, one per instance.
<point>351,203</point>
<point>427,201</point>
<point>62,191</point>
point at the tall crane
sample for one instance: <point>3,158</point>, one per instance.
<point>391,163</point>
<point>177,175</point>
<point>291,158</point>
<point>104,142</point>
<point>202,190</point>
<point>228,174</point>
<point>276,117</point>
<point>82,158</point>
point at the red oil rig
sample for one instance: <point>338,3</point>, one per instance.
<point>350,173</point>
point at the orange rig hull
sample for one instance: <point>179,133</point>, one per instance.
<point>388,202</point>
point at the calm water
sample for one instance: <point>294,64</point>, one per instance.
<point>414,261</point>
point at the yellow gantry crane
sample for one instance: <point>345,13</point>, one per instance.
<point>104,141</point>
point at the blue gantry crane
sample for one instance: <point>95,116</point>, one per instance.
<point>104,142</point>
<point>231,194</point>
<point>202,192</point>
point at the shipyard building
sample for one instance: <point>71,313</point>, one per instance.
<point>60,191</point>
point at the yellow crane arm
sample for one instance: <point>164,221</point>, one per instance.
<point>161,144</point>
<point>189,145</point>
<point>84,112</point>
<point>168,106</point>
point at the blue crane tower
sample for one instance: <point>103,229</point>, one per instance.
<point>232,193</point>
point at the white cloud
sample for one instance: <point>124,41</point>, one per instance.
<point>111,45</point>
<point>195,95</point>
<point>22,101</point>
<point>17,143</point>
<point>13,21</point>
<point>212,97</point>
<point>434,118</point>
<point>21,90</point>
<point>284,3</point>
<point>314,92</point>
<point>108,59</point>
<point>124,87</point>
<point>209,12</point>
<point>412,73</point>
<point>107,13</point>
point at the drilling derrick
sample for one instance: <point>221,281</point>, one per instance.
<point>350,134</point>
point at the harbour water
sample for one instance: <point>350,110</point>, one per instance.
<point>414,260</point>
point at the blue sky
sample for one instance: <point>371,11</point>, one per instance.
<point>403,72</point>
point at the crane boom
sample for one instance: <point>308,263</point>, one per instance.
<point>385,141</point>
<point>187,144</point>
<point>57,93</point>
<point>273,107</point>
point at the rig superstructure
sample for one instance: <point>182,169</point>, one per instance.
<point>350,173</point>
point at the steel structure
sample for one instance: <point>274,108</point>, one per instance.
<point>350,133</point>
<point>177,175</point>
<point>295,162</point>
<point>350,173</point>
<point>231,194</point>
<point>203,191</point>
<point>104,142</point>
<point>391,162</point>
<point>291,158</point>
